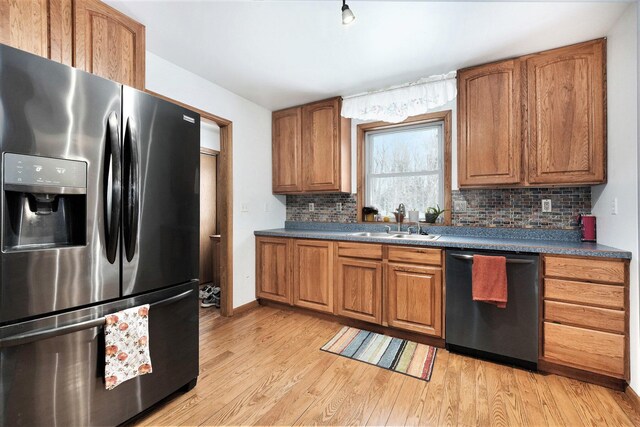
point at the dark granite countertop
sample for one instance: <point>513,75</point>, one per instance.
<point>525,241</point>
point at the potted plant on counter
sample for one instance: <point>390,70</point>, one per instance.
<point>431,214</point>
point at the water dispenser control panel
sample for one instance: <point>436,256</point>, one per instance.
<point>36,171</point>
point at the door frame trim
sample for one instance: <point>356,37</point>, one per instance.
<point>225,196</point>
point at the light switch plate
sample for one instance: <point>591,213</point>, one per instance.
<point>546,205</point>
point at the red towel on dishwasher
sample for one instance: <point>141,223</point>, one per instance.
<point>489,280</point>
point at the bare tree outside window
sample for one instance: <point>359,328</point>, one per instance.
<point>405,165</point>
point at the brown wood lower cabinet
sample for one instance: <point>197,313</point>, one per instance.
<point>414,298</point>
<point>359,289</point>
<point>273,275</point>
<point>587,349</point>
<point>584,321</point>
<point>585,329</point>
<point>313,274</point>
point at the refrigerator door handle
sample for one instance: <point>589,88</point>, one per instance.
<point>28,337</point>
<point>112,187</point>
<point>132,188</point>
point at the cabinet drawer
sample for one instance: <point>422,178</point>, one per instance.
<point>610,296</point>
<point>359,250</point>
<point>584,348</point>
<point>585,269</point>
<point>415,255</point>
<point>582,315</point>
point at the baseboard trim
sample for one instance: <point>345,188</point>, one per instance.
<point>633,398</point>
<point>546,366</point>
<point>385,330</point>
<point>244,308</point>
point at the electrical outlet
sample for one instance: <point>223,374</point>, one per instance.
<point>312,207</point>
<point>339,206</point>
<point>546,205</point>
<point>614,206</point>
<point>267,208</point>
<point>244,207</point>
<point>460,205</point>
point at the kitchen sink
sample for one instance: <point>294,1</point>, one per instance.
<point>369,234</point>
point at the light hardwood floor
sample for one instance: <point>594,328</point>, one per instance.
<point>265,368</point>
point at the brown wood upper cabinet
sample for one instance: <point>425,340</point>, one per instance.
<point>489,143</point>
<point>312,149</point>
<point>109,43</point>
<point>287,150</point>
<point>104,41</point>
<point>41,27</point>
<point>566,115</point>
<point>545,111</point>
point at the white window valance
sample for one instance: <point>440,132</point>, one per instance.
<point>395,104</point>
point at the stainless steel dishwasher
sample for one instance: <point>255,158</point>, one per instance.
<point>508,335</point>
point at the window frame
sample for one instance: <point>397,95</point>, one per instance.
<point>362,129</point>
<point>439,172</point>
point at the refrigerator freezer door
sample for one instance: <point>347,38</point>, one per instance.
<point>52,369</point>
<point>161,144</point>
<point>48,110</point>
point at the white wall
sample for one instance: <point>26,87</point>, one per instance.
<point>621,230</point>
<point>251,161</point>
<point>209,135</point>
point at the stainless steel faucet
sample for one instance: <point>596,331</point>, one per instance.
<point>400,214</point>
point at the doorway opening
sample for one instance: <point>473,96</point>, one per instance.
<point>210,293</point>
<point>223,201</point>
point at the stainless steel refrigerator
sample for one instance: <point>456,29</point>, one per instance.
<point>100,211</point>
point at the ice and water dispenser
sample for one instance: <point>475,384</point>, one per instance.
<point>44,203</point>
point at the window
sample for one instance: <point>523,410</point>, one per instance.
<point>405,164</point>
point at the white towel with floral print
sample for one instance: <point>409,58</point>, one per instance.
<point>126,337</point>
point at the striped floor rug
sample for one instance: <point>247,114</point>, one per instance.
<point>395,354</point>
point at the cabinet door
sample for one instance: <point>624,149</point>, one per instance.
<point>61,31</point>
<point>320,145</point>
<point>566,115</point>
<point>414,298</point>
<point>359,289</point>
<point>273,274</point>
<point>24,25</point>
<point>489,135</point>
<point>287,150</point>
<point>109,43</point>
<point>313,274</point>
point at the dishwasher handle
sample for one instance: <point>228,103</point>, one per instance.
<point>465,257</point>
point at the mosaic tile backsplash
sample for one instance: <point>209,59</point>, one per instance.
<point>324,208</point>
<point>514,207</point>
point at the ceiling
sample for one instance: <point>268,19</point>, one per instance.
<point>284,53</point>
